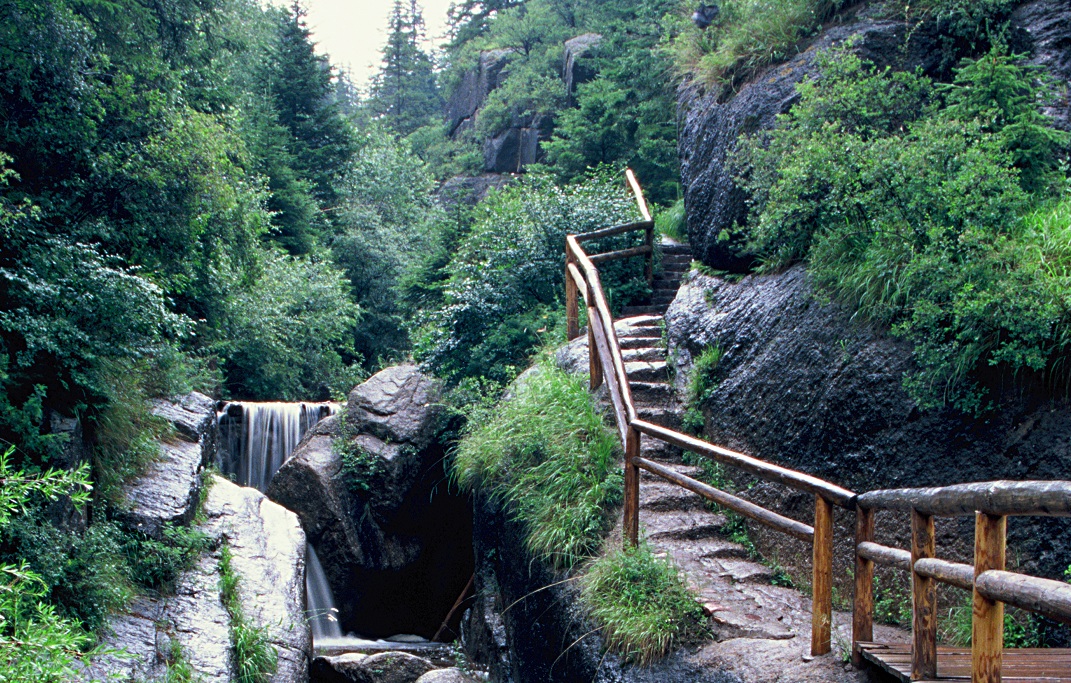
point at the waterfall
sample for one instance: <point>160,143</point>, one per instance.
<point>321,603</point>
<point>257,438</point>
<point>255,441</point>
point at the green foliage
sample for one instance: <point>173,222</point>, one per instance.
<point>547,452</point>
<point>910,209</point>
<point>700,389</point>
<point>179,669</point>
<point>360,467</point>
<point>1021,628</point>
<point>746,36</point>
<point>255,658</point>
<point>505,282</point>
<point>404,92</point>
<point>18,488</point>
<point>672,222</point>
<point>641,604</point>
<point>156,564</point>
<point>892,602</point>
<point>283,335</point>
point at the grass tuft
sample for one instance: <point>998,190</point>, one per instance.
<point>255,659</point>
<point>641,604</point>
<point>546,451</point>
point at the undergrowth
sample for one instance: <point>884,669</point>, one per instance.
<point>702,383</point>
<point>641,604</point>
<point>255,658</point>
<point>547,452</point>
<point>360,467</point>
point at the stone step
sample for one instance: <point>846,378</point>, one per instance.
<point>677,249</point>
<point>659,525</point>
<point>649,353</point>
<point>666,417</point>
<point>640,331</point>
<point>663,300</point>
<point>647,371</point>
<point>639,342</point>
<point>642,310</point>
<point>664,496</point>
<point>657,393</point>
<point>687,470</point>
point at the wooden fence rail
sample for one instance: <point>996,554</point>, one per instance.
<point>990,502</point>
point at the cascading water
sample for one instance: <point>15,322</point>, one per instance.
<point>256,439</point>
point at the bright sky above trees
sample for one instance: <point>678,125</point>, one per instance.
<point>353,32</point>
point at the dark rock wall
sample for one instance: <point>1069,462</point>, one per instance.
<point>527,625</point>
<point>801,384</point>
<point>711,122</point>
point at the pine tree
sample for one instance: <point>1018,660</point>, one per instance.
<point>303,90</point>
<point>404,93</point>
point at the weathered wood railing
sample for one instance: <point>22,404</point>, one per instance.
<point>990,502</point>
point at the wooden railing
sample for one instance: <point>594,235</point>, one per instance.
<point>992,502</point>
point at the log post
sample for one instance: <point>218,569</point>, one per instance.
<point>572,309</point>
<point>923,600</point>
<point>594,366</point>
<point>649,241</point>
<point>822,578</point>
<point>632,489</point>
<point>863,611</point>
<point>987,616</point>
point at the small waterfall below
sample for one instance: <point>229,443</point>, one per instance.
<point>256,439</point>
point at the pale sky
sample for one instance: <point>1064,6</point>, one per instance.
<point>353,31</point>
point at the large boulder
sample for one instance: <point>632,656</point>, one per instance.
<point>393,540</point>
<point>476,84</point>
<point>511,150</point>
<point>268,555</point>
<point>169,490</point>
<point>802,384</point>
<point>575,69</point>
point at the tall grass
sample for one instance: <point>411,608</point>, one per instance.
<point>748,35</point>
<point>547,452</point>
<point>255,658</point>
<point>641,604</point>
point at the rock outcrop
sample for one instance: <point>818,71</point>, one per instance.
<point>711,122</point>
<point>476,84</point>
<point>384,667</point>
<point>268,554</point>
<point>799,383</point>
<point>575,70</point>
<point>393,540</point>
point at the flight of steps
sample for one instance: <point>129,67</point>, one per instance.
<point>735,591</point>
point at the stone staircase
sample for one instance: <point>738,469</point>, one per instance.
<point>735,590</point>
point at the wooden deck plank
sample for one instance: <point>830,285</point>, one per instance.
<point>1027,665</point>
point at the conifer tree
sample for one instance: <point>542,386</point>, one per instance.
<point>404,93</point>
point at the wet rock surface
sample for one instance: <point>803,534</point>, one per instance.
<point>574,69</point>
<point>169,490</point>
<point>384,667</point>
<point>268,549</point>
<point>711,122</point>
<point>394,542</point>
<point>800,384</point>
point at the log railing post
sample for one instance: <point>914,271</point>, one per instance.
<point>632,489</point>
<point>594,365</point>
<point>863,611</point>
<point>923,600</point>
<point>987,616</point>
<point>822,578</point>
<point>572,308</point>
<point>649,241</point>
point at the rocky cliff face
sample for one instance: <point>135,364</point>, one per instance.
<point>799,383</point>
<point>393,539</point>
<point>711,122</point>
<point>268,555</point>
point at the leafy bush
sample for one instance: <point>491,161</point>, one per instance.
<point>281,334</point>
<point>547,452</point>
<point>641,604</point>
<point>700,388</point>
<point>911,211</point>
<point>505,283</point>
<point>156,564</point>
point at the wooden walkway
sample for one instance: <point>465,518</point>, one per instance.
<point>954,663</point>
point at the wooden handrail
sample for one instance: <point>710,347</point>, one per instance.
<point>990,502</point>
<point>616,230</point>
<point>1033,498</point>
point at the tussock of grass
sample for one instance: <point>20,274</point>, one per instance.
<point>748,35</point>
<point>549,454</point>
<point>641,604</point>
<point>256,660</point>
